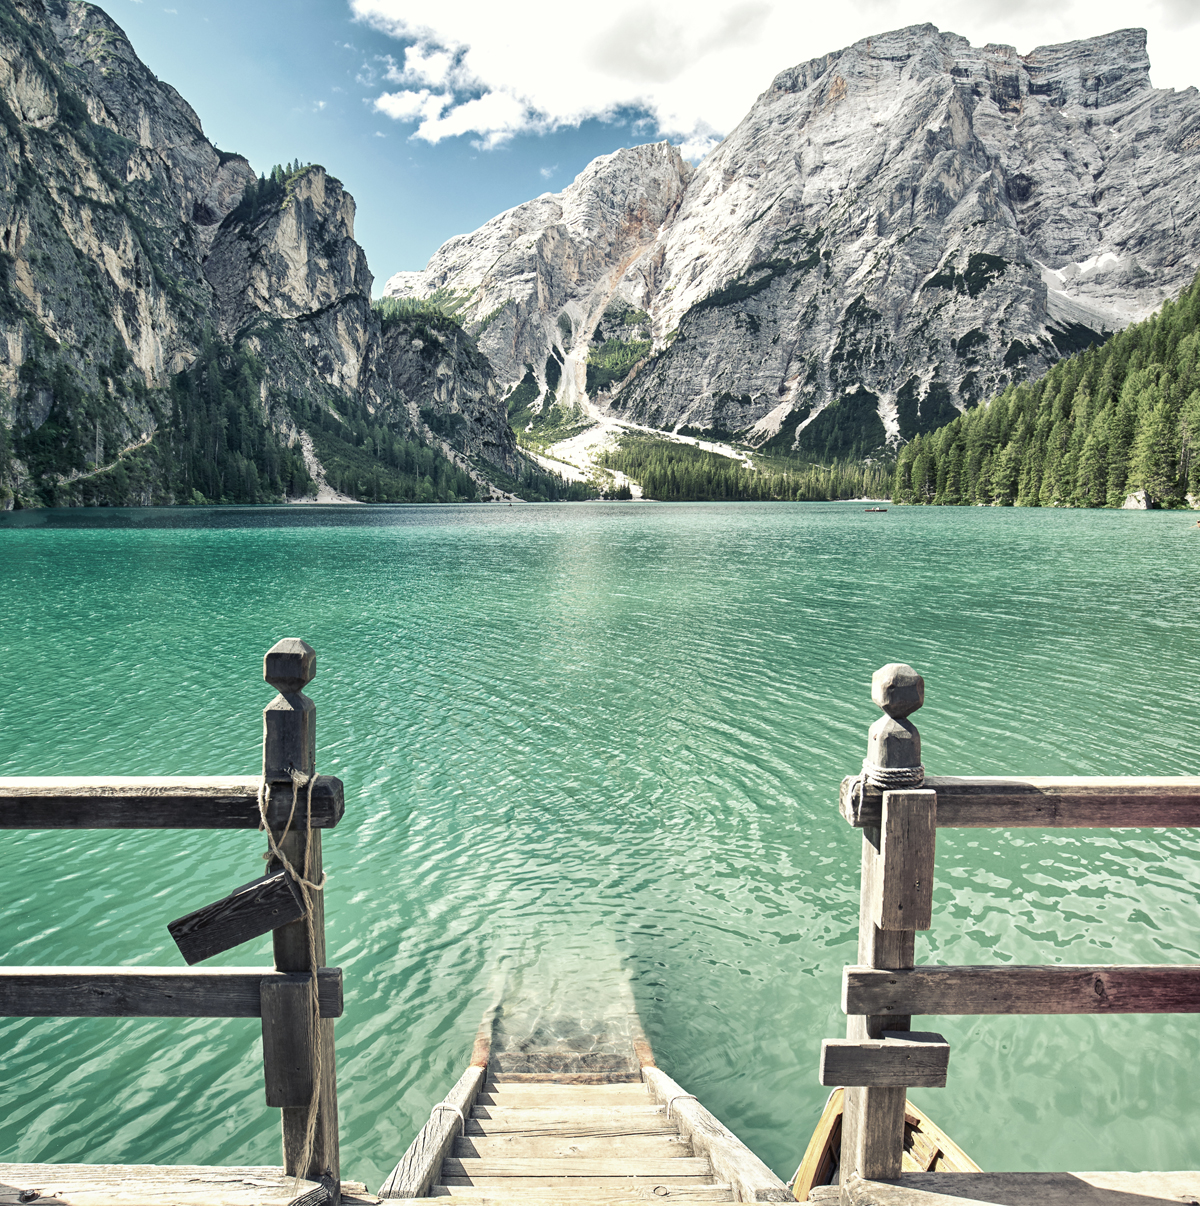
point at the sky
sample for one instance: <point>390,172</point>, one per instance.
<point>438,116</point>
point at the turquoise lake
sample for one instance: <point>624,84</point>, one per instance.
<point>585,734</point>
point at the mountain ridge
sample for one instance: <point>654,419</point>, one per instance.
<point>893,232</point>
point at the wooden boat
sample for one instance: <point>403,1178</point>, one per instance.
<point>868,510</point>
<point>565,1115</point>
<point>927,1148</point>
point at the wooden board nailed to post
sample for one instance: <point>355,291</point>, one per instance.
<point>248,912</point>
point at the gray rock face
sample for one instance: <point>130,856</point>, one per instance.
<point>540,277</point>
<point>122,239</point>
<point>893,232</point>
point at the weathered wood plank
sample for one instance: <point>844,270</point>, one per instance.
<point>1049,802</point>
<point>1027,1189</point>
<point>904,1058</point>
<point>421,1164</point>
<point>543,1094</point>
<point>247,912</point>
<point>496,1120</point>
<point>679,1166</point>
<point>148,992</point>
<point>171,802</point>
<point>154,1185</point>
<point>514,1191</point>
<point>571,1145</point>
<point>287,1043</point>
<point>873,1130</point>
<point>1012,990</point>
<point>731,1159</point>
<point>898,880</point>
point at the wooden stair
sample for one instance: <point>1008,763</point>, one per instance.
<point>553,1140</point>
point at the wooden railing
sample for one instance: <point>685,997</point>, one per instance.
<point>881,1056</point>
<point>281,996</point>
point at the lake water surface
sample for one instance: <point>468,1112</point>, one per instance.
<point>585,734</point>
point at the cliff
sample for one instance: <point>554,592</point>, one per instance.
<point>893,232</point>
<point>135,254</point>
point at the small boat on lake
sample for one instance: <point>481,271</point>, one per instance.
<point>927,1148</point>
<point>868,510</point>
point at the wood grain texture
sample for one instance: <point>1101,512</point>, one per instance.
<point>907,1058</point>
<point>287,1042</point>
<point>518,1191</point>
<point>872,1136</point>
<point>1062,802</point>
<point>540,1095</point>
<point>873,1132</point>
<point>1012,990</point>
<point>173,802</point>
<point>898,881</point>
<point>731,1159</point>
<point>1027,1189</point>
<point>154,1185</point>
<point>247,912</point>
<point>147,992</point>
<point>658,1170</point>
<point>567,1120</point>
<point>570,1145</point>
<point>421,1164</point>
<point>289,737</point>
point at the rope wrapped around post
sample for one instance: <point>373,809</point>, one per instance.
<point>302,1060</point>
<point>306,886</point>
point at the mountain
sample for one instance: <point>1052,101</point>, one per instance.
<point>175,328</point>
<point>893,232</point>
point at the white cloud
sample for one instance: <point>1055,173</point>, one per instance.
<point>474,67</point>
<point>423,106</point>
<point>547,173</point>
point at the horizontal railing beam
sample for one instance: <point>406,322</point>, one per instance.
<point>172,802</point>
<point>151,992</point>
<point>1038,802</point>
<point>898,1059</point>
<point>1014,990</point>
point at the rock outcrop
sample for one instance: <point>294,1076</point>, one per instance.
<point>894,232</point>
<point>534,282</point>
<point>129,243</point>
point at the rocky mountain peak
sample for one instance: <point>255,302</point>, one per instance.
<point>893,232</point>
<point>541,275</point>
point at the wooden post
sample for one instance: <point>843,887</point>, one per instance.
<point>289,744</point>
<point>897,879</point>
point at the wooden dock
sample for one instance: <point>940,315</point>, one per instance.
<point>566,1111</point>
<point>556,1106</point>
<point>556,1139</point>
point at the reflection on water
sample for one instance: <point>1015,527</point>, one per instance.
<point>581,738</point>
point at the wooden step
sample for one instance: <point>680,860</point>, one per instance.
<point>613,1196</point>
<point>155,1185</point>
<point>454,1169</point>
<point>567,1120</point>
<point>572,1145</point>
<point>526,1095</point>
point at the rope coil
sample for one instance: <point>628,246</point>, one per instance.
<point>303,881</point>
<point>884,778</point>
<point>891,778</point>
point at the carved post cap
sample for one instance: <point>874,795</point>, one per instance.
<point>898,689</point>
<point>290,665</point>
